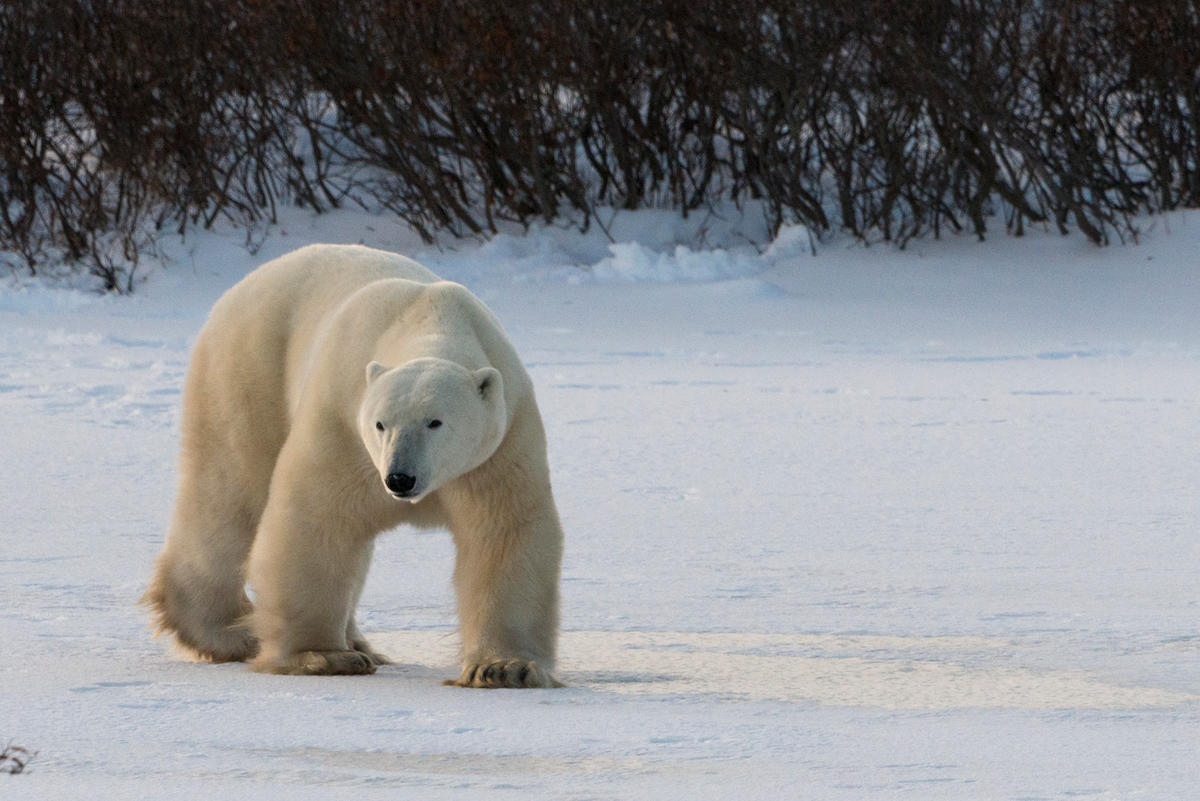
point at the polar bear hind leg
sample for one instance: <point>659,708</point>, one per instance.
<point>227,455</point>
<point>198,589</point>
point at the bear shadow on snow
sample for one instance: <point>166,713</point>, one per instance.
<point>335,393</point>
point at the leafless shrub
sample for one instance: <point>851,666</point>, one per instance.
<point>123,118</point>
<point>14,759</point>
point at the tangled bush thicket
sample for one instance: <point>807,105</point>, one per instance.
<point>120,119</point>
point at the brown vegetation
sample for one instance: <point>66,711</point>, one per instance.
<point>122,118</point>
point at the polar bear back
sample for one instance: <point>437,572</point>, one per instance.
<point>279,307</point>
<point>255,346</point>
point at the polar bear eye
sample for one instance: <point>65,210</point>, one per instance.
<point>435,423</point>
<point>378,425</point>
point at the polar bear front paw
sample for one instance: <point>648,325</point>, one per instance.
<point>366,650</point>
<point>510,673</point>
<point>321,663</point>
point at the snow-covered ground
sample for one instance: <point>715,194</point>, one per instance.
<point>871,524</point>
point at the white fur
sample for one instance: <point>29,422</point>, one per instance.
<point>402,404</point>
<point>315,378</point>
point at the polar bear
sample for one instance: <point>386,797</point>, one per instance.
<point>335,393</point>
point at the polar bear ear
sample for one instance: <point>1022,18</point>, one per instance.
<point>488,382</point>
<point>374,370</point>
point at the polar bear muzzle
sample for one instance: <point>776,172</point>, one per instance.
<point>400,484</point>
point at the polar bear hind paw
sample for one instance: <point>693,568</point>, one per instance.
<point>234,644</point>
<point>364,648</point>
<point>504,673</point>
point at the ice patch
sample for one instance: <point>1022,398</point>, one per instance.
<point>633,262</point>
<point>550,254</point>
<point>884,672</point>
<point>42,298</point>
<point>743,289</point>
<point>792,242</point>
<point>61,338</point>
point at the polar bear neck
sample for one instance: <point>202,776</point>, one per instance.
<point>394,321</point>
<point>420,334</point>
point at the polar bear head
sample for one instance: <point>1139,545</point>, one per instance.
<point>428,422</point>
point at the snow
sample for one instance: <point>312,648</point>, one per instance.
<point>866,524</point>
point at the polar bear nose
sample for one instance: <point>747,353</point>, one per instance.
<point>400,483</point>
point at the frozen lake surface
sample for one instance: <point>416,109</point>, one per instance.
<point>874,524</point>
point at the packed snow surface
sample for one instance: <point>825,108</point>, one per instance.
<point>866,524</point>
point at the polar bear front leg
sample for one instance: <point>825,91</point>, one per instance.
<point>304,577</point>
<point>306,568</point>
<point>506,579</point>
<point>354,637</point>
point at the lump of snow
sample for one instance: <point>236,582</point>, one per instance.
<point>634,262</point>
